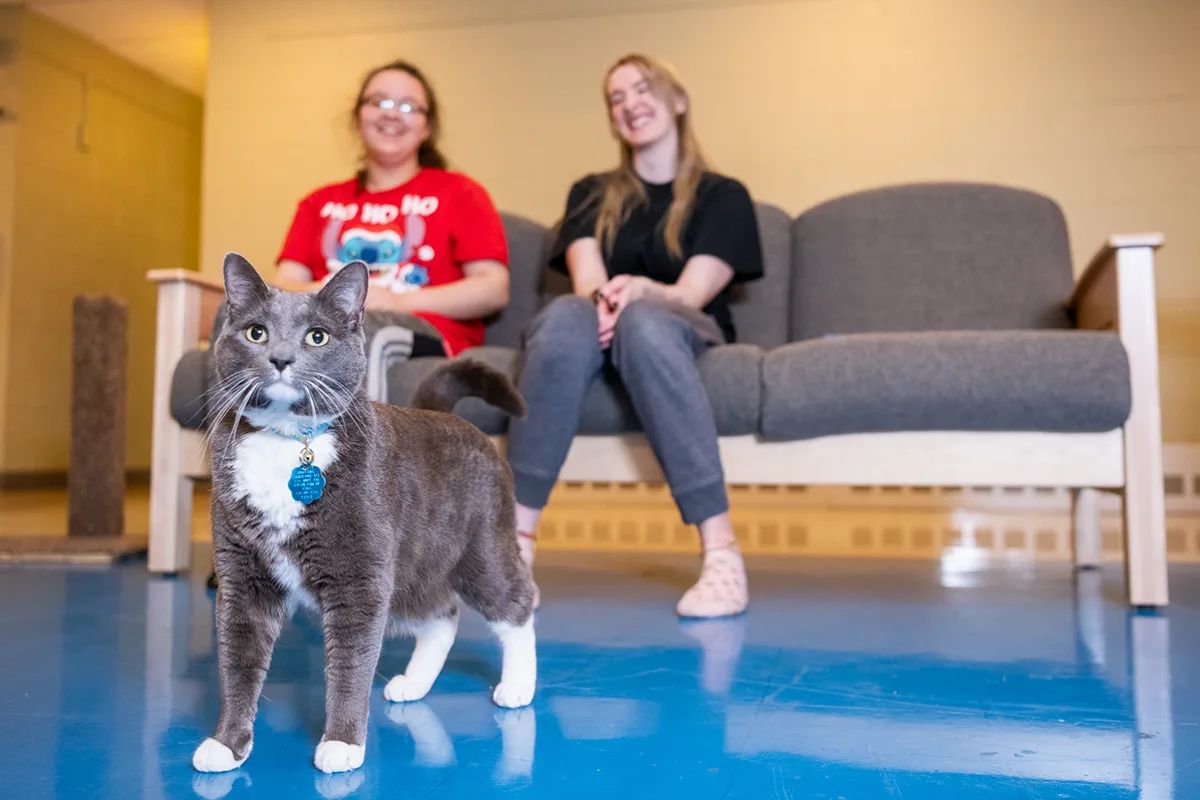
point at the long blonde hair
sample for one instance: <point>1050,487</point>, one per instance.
<point>622,189</point>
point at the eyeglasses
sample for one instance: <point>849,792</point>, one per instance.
<point>405,107</point>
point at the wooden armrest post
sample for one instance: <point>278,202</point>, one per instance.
<point>184,304</point>
<point>1117,292</point>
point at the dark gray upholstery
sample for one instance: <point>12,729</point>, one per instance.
<point>528,251</point>
<point>760,308</point>
<point>189,389</point>
<point>930,257</point>
<point>732,376</point>
<point>403,379</point>
<point>1062,381</point>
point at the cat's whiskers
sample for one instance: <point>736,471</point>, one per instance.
<point>242,408</point>
<point>340,388</point>
<point>339,407</point>
<point>225,383</point>
<point>311,405</point>
<point>233,389</point>
<point>344,405</point>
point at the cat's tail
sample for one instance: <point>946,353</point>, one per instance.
<point>441,389</point>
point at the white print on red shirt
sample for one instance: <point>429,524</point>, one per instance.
<point>394,259</point>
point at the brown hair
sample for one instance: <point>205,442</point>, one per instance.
<point>622,188</point>
<point>428,155</point>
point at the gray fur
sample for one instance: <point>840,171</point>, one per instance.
<point>418,509</point>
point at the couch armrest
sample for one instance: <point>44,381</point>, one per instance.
<point>204,291</point>
<point>187,303</point>
<point>1094,301</point>
<point>1116,292</point>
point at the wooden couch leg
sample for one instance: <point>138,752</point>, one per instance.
<point>170,503</point>
<point>1145,505</point>
<point>1085,518</point>
<point>1146,541</point>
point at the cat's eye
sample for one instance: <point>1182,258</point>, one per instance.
<point>256,334</point>
<point>317,337</point>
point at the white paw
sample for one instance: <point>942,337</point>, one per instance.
<point>401,689</point>
<point>513,694</point>
<point>212,756</point>
<point>339,757</point>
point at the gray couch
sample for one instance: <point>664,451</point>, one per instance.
<point>919,335</point>
<point>939,307</point>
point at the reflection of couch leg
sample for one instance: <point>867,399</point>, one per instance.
<point>1085,519</point>
<point>167,606</point>
<point>1154,739</point>
<point>1089,615</point>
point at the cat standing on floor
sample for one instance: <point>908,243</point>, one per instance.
<point>372,515</point>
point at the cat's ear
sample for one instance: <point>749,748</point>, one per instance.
<point>243,285</point>
<point>346,292</point>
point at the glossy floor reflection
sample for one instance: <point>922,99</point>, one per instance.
<point>847,679</point>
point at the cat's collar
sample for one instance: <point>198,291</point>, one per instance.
<point>300,433</point>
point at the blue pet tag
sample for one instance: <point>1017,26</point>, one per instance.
<point>307,483</point>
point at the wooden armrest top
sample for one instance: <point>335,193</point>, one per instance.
<point>185,276</point>
<point>1118,241</point>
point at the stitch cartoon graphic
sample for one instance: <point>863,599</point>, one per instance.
<point>390,257</point>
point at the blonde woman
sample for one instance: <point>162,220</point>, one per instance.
<point>652,248</point>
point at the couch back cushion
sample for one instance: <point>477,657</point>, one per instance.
<point>930,257</point>
<point>528,251</point>
<point>761,308</point>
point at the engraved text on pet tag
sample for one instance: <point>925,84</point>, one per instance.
<point>307,484</point>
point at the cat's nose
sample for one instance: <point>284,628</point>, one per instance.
<point>282,362</point>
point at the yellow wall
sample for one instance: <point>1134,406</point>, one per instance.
<point>93,208</point>
<point>1094,102</point>
<point>10,27</point>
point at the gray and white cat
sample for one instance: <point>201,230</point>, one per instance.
<point>415,511</point>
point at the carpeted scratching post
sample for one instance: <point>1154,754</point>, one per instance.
<point>99,360</point>
<point>96,476</point>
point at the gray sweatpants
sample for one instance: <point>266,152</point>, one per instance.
<point>653,351</point>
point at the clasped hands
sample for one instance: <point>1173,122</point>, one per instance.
<point>613,296</point>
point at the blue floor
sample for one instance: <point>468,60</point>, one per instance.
<point>847,679</point>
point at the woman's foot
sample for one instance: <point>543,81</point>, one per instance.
<point>721,590</point>
<point>528,543</point>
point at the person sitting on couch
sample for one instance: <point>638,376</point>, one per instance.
<point>651,248</point>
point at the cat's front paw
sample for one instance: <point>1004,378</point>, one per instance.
<point>339,757</point>
<point>212,756</point>
<point>510,694</point>
<point>403,689</point>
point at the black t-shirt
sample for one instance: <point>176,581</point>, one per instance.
<point>722,224</point>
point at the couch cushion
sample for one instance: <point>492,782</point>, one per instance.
<point>1063,381</point>
<point>403,379</point>
<point>761,308</point>
<point>189,389</point>
<point>930,257</point>
<point>732,376</point>
<point>528,245</point>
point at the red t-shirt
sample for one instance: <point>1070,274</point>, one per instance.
<point>415,235</point>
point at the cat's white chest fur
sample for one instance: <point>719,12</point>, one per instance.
<point>262,466</point>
